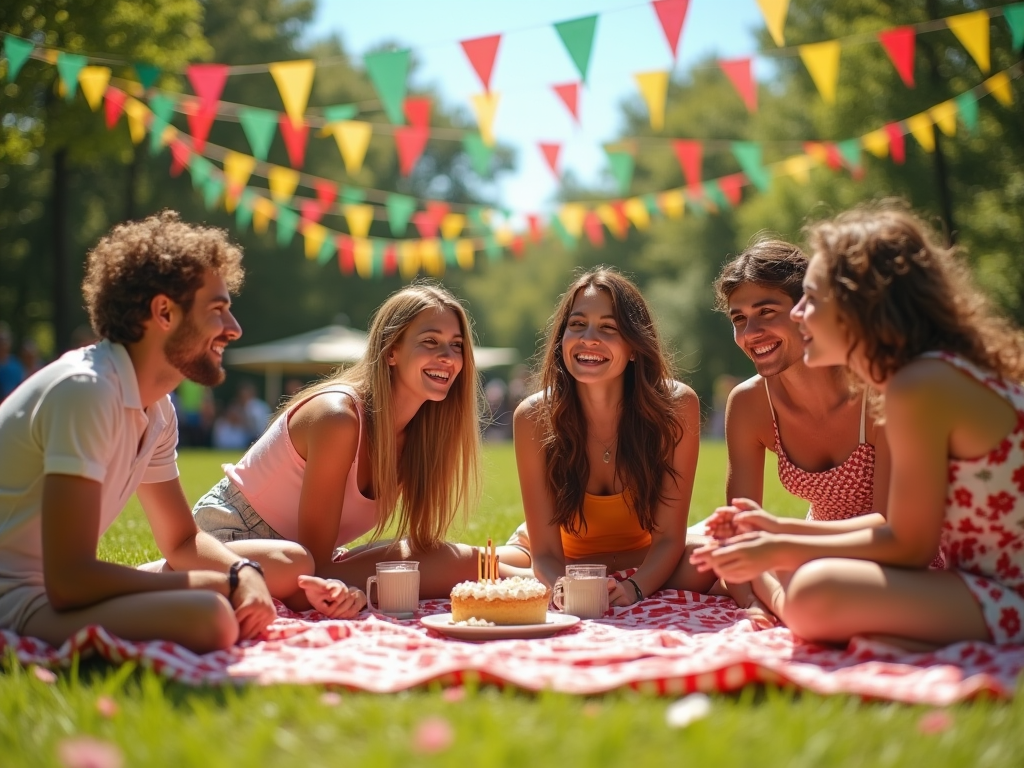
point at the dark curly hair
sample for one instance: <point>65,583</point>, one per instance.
<point>767,262</point>
<point>902,294</point>
<point>142,259</point>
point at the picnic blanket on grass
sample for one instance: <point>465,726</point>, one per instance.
<point>672,643</point>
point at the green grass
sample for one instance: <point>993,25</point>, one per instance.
<point>165,724</point>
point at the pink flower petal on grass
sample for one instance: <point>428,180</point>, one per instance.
<point>453,694</point>
<point>44,675</point>
<point>87,752</point>
<point>936,721</point>
<point>433,735</point>
<point>107,707</point>
<point>330,698</point>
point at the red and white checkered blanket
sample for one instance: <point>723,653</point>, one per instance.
<point>672,643</point>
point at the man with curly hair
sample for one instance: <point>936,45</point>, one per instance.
<point>97,425</point>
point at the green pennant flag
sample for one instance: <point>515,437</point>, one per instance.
<point>17,52</point>
<point>212,191</point>
<point>377,262</point>
<point>479,153</point>
<point>148,74</point>
<point>1014,15</point>
<point>967,105</point>
<point>327,250</point>
<point>400,209</point>
<point>388,71</point>
<point>448,249</point>
<point>287,222</point>
<point>340,112</point>
<point>559,229</point>
<point>622,164</point>
<point>650,201</point>
<point>243,213</point>
<point>68,66</point>
<point>163,110</point>
<point>850,150</point>
<point>491,247</point>
<point>578,37</point>
<point>200,168</point>
<point>259,126</point>
<point>353,195</point>
<point>475,214</point>
<point>714,193</point>
<point>748,154</point>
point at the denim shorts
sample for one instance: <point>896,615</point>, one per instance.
<point>224,513</point>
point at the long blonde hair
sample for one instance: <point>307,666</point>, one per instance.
<point>438,471</point>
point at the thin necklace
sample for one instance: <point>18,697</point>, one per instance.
<point>607,457</point>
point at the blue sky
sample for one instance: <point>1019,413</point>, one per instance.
<point>531,58</point>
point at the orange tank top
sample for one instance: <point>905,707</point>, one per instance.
<point>611,527</point>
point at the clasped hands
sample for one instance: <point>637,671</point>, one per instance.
<point>331,597</point>
<point>746,543</point>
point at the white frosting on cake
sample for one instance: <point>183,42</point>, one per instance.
<point>515,588</point>
<point>472,622</point>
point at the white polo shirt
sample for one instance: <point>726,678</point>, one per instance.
<point>81,415</point>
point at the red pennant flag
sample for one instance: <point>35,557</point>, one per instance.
<point>180,156</point>
<point>208,82</point>
<point>417,111</point>
<point>732,188</point>
<point>517,246</point>
<point>570,96</point>
<point>897,146</point>
<point>551,155</point>
<point>437,210</point>
<point>390,259</point>
<point>592,226</point>
<point>294,140</point>
<point>832,156</point>
<point>114,105</point>
<point>326,193</point>
<point>199,123</point>
<point>481,52</point>
<point>900,43</point>
<point>310,210</point>
<point>410,141</point>
<point>536,228</point>
<point>619,206</point>
<point>671,14</point>
<point>346,255</point>
<point>425,224</point>
<point>738,70</point>
<point>690,155</point>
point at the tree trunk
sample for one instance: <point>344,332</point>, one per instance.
<point>61,316</point>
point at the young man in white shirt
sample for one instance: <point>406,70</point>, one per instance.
<point>83,434</point>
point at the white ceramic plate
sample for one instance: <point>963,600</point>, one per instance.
<point>556,622</point>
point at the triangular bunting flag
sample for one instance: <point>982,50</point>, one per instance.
<point>578,37</point>
<point>362,256</point>
<point>137,113</point>
<point>353,138</point>
<point>148,74</point>
<point>339,112</point>
<point>359,218</point>
<point>294,80</point>
<point>822,61</point>
<point>999,86</point>
<point>163,110</point>
<point>199,167</point>
<point>556,226</point>
<point>636,211</point>
<point>595,232</point>
<point>732,188</point>
<point>672,15</point>
<point>972,29</point>
<point>17,52</point>
<point>282,182</point>
<point>437,210</point>
<point>310,210</point>
<point>654,88</point>
<point>967,105</point>
<point>68,66</point>
<point>399,208</point>
<point>327,250</point>
<point>479,153</point>
<point>390,259</point>
<point>465,254</point>
<point>876,142</point>
<point>259,126</point>
<point>799,167</point>
<point>243,213</point>
<point>287,223</point>
<point>485,105</point>
<point>208,82</point>
<point>262,212</point>
<point>738,71</point>
<point>1014,15</point>
<point>775,18</point>
<point>425,223</point>
<point>944,115</point>
<point>388,71</point>
<point>430,257</point>
<point>897,144</point>
<point>237,169</point>
<point>410,141</point>
<point>622,164</point>
<point>481,52</point>
<point>295,138</point>
<point>417,111</point>
<point>900,43</point>
<point>315,235</point>
<point>94,82</point>
<point>408,259</point>
<point>569,93</point>
<point>673,203</point>
<point>551,152</point>
<point>452,225</point>
<point>200,121</point>
<point>536,227</point>
<point>346,254</point>
<point>748,155</point>
<point>448,252</point>
<point>689,153</point>
<point>714,196</point>
<point>849,150</point>
<point>212,191</point>
<point>572,216</point>
<point>923,130</point>
<point>180,155</point>
<point>326,193</point>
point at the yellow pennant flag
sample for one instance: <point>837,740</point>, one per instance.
<point>944,115</point>
<point>451,225</point>
<point>283,182</point>
<point>999,86</point>
<point>876,142</point>
<point>822,61</point>
<point>431,257</point>
<point>408,258</point>
<point>94,82</point>
<point>170,134</point>
<point>654,88</point>
<point>262,212</point>
<point>504,236</point>
<point>362,254</point>
<point>971,29</point>
<point>353,138</point>
<point>237,169</point>
<point>673,203</point>
<point>294,80</point>
<point>920,126</point>
<point>572,216</point>
<point>486,105</point>
<point>137,112</point>
<point>315,235</point>
<point>637,212</point>
<point>611,219</point>
<point>465,254</point>
<point>359,218</point>
<point>798,167</point>
<point>775,18</point>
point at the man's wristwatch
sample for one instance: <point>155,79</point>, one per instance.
<point>237,566</point>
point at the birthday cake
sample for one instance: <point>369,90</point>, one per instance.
<point>516,600</point>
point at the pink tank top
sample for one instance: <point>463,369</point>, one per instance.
<point>839,493</point>
<point>269,475</point>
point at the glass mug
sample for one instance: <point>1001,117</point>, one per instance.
<point>583,591</point>
<point>398,589</point>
